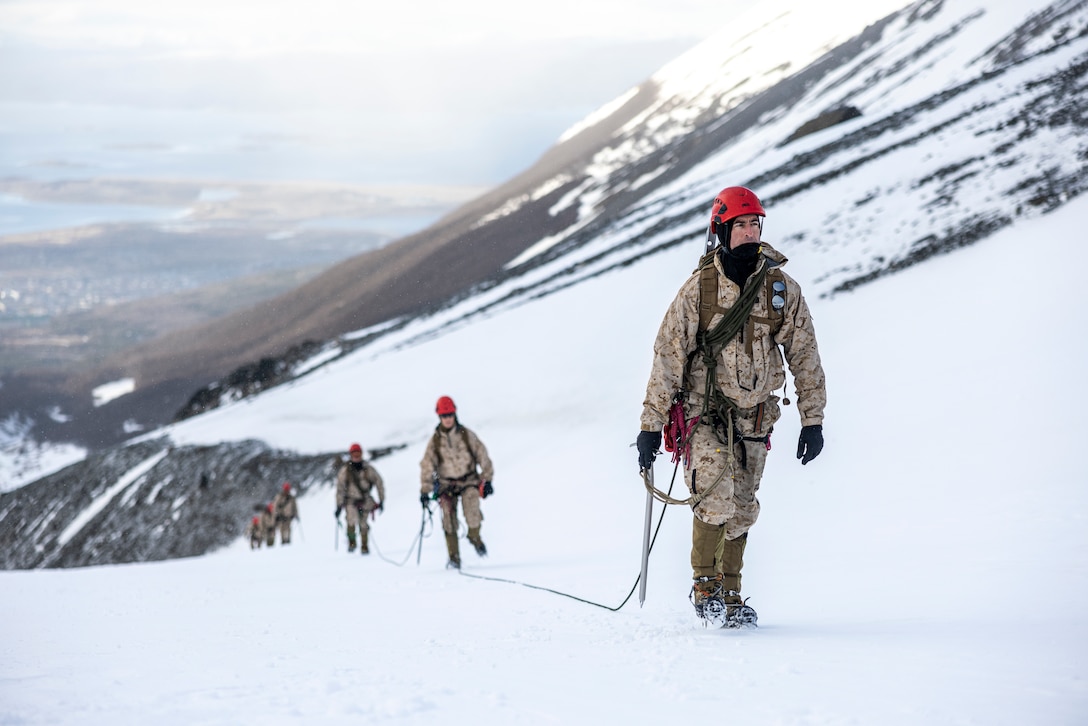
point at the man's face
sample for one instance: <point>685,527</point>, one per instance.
<point>447,420</point>
<point>746,229</point>
<point>356,456</point>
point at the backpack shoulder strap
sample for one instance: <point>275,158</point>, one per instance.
<point>436,443</point>
<point>708,290</point>
<point>464,435</point>
<point>776,315</point>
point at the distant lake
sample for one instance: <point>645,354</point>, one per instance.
<point>18,215</point>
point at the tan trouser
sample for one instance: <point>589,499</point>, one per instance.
<point>470,501</point>
<point>353,517</point>
<point>285,531</point>
<point>731,500</point>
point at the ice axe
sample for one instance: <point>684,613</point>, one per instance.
<point>422,523</point>
<point>649,475</point>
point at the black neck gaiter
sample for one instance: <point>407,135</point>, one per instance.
<point>740,263</point>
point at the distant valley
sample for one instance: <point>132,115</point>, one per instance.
<point>71,296</point>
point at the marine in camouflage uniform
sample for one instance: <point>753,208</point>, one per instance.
<point>748,369</point>
<point>354,482</point>
<point>286,510</point>
<point>458,461</point>
<point>255,533</point>
<point>268,524</point>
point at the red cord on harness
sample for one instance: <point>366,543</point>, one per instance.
<point>677,433</point>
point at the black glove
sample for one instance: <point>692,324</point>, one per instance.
<point>810,443</point>
<point>381,506</point>
<point>338,510</point>
<point>648,443</point>
<point>486,489</point>
<point>423,499</point>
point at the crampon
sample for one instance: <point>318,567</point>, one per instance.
<point>722,608</point>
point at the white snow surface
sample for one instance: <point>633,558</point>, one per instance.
<point>931,566</point>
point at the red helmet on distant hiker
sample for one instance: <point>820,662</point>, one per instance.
<point>287,486</point>
<point>355,448</point>
<point>271,507</point>
<point>445,406</point>
<point>732,202</point>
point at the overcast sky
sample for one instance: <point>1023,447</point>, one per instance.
<point>467,92</point>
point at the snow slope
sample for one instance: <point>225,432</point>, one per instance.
<point>930,567</point>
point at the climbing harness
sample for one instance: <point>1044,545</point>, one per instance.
<point>718,411</point>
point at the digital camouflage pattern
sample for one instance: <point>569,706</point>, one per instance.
<point>286,509</point>
<point>451,454</point>
<point>749,369</point>
<point>353,489</point>
<point>746,378</point>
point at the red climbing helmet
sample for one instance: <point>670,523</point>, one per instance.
<point>355,447</point>
<point>732,202</point>
<point>287,486</point>
<point>445,406</point>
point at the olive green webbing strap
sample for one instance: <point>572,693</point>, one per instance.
<point>710,343</point>
<point>695,497</point>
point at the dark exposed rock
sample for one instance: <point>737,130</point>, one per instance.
<point>148,501</point>
<point>824,121</point>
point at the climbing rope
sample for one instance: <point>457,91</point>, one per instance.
<point>679,437</point>
<point>420,535</point>
<point>657,529</point>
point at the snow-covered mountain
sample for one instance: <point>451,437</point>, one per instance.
<point>962,118</point>
<point>954,119</point>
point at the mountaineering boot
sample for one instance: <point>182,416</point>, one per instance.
<point>363,549</point>
<point>706,589</point>
<point>351,540</point>
<point>738,613</point>
<point>474,538</point>
<point>706,596</point>
<point>731,560</point>
<point>455,555</point>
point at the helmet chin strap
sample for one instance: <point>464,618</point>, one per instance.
<point>715,239</point>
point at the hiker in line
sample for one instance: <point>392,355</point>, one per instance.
<point>255,533</point>
<point>353,485</point>
<point>455,467</point>
<point>286,509</point>
<point>268,524</point>
<point>731,414</point>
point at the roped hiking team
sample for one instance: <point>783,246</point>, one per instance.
<point>717,362</point>
<point>456,467</point>
<point>275,516</point>
<point>354,482</point>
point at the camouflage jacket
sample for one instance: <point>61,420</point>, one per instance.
<point>353,486</point>
<point>749,367</point>
<point>286,506</point>
<point>449,457</point>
